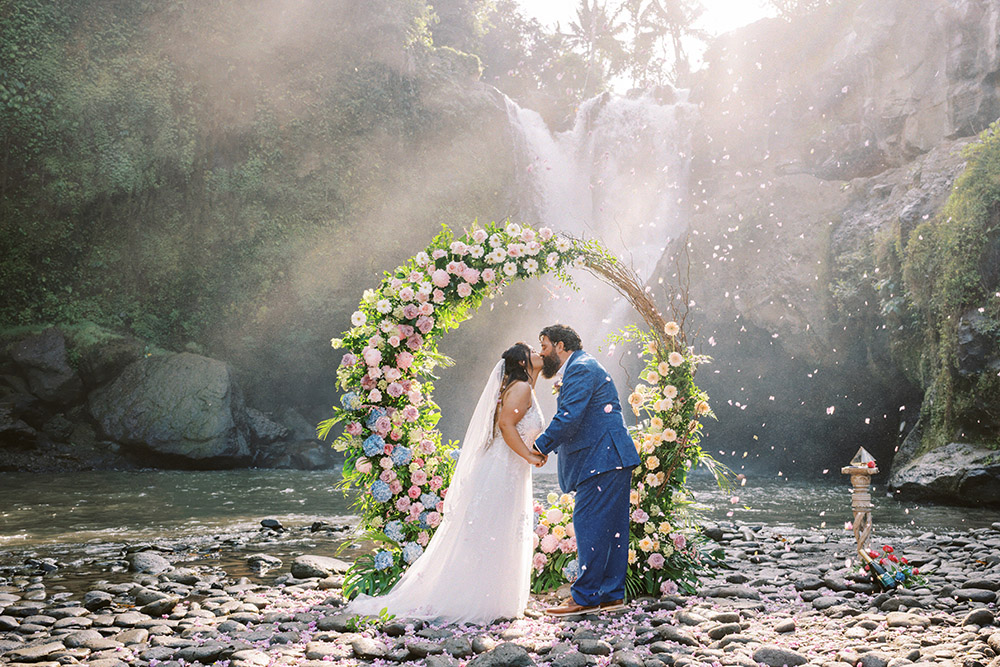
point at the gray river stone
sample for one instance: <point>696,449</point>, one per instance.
<point>975,595</point>
<point>367,648</point>
<point>147,562</point>
<point>504,655</point>
<point>776,656</point>
<point>309,566</point>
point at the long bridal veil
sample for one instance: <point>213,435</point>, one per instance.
<point>478,436</point>
<point>477,566</point>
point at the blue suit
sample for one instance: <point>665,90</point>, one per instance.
<point>596,457</point>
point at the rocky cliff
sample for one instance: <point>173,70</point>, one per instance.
<point>822,145</point>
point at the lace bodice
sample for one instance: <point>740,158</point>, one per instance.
<point>531,424</point>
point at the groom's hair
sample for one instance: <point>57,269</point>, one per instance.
<point>559,333</point>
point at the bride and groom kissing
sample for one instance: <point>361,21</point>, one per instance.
<point>477,566</point>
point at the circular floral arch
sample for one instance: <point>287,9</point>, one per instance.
<point>399,466</point>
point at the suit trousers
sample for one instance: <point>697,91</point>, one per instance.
<point>601,524</point>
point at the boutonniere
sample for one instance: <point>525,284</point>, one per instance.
<point>556,387</point>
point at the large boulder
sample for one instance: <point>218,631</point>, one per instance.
<point>178,405</point>
<point>956,473</point>
<point>42,360</point>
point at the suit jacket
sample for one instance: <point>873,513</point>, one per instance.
<point>587,430</point>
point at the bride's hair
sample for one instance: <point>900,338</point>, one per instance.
<point>517,361</point>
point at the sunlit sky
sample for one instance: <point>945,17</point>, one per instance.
<point>720,15</point>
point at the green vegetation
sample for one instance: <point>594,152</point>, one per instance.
<point>217,173</point>
<point>940,294</point>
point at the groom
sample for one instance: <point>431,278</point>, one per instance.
<point>596,457</point>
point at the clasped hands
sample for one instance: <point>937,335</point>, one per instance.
<point>536,458</point>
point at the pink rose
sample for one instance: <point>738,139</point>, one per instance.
<point>416,398</point>
<point>404,359</point>
<point>438,253</point>
<point>388,476</point>
<point>471,276</point>
<point>541,530</point>
<point>367,382</point>
<point>479,235</point>
<point>440,278</point>
<point>438,296</point>
<point>410,311</point>
<point>382,425</point>
<point>423,538</point>
<point>668,588</point>
<point>489,275</point>
<point>414,342</point>
<point>434,519</point>
<point>453,267</point>
<point>385,462</point>
<point>394,389</point>
<point>639,516</point>
<point>426,309</point>
<point>403,504</point>
<point>394,341</point>
<point>396,434</point>
<point>655,561</point>
<point>374,396</point>
<point>396,283</point>
<point>679,540</point>
<point>413,492</point>
<point>393,374</point>
<point>419,477</point>
<point>436,483</point>
<point>363,466</point>
<point>405,330</point>
<point>372,356</point>
<point>425,324</point>
<point>348,360</point>
<point>545,233</point>
<point>464,290</point>
<point>395,486</point>
<point>440,506</point>
<point>410,413</point>
<point>354,428</point>
<point>570,545</point>
<point>515,250</point>
<point>406,294</point>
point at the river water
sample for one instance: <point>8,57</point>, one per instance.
<point>81,519</point>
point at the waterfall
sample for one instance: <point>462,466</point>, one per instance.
<point>620,174</point>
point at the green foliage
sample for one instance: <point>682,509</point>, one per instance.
<point>951,274</point>
<point>362,623</point>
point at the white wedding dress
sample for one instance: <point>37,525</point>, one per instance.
<point>477,566</point>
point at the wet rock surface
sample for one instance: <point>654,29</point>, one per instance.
<point>760,610</point>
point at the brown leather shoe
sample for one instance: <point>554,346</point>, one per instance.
<point>613,605</point>
<point>570,608</point>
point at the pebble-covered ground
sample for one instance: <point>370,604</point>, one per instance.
<point>789,598</point>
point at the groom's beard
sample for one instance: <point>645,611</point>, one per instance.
<point>550,366</point>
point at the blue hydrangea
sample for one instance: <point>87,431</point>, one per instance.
<point>401,455</point>
<point>572,570</point>
<point>373,445</point>
<point>350,401</point>
<point>394,530</point>
<point>412,551</point>
<point>374,416</point>
<point>429,500</point>
<point>900,576</point>
<point>383,560</point>
<point>423,520</point>
<point>381,491</point>
<point>453,454</point>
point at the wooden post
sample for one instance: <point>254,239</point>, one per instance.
<point>861,469</point>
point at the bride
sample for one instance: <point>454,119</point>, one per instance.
<point>477,566</point>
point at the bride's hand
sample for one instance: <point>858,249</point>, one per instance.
<point>536,459</point>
